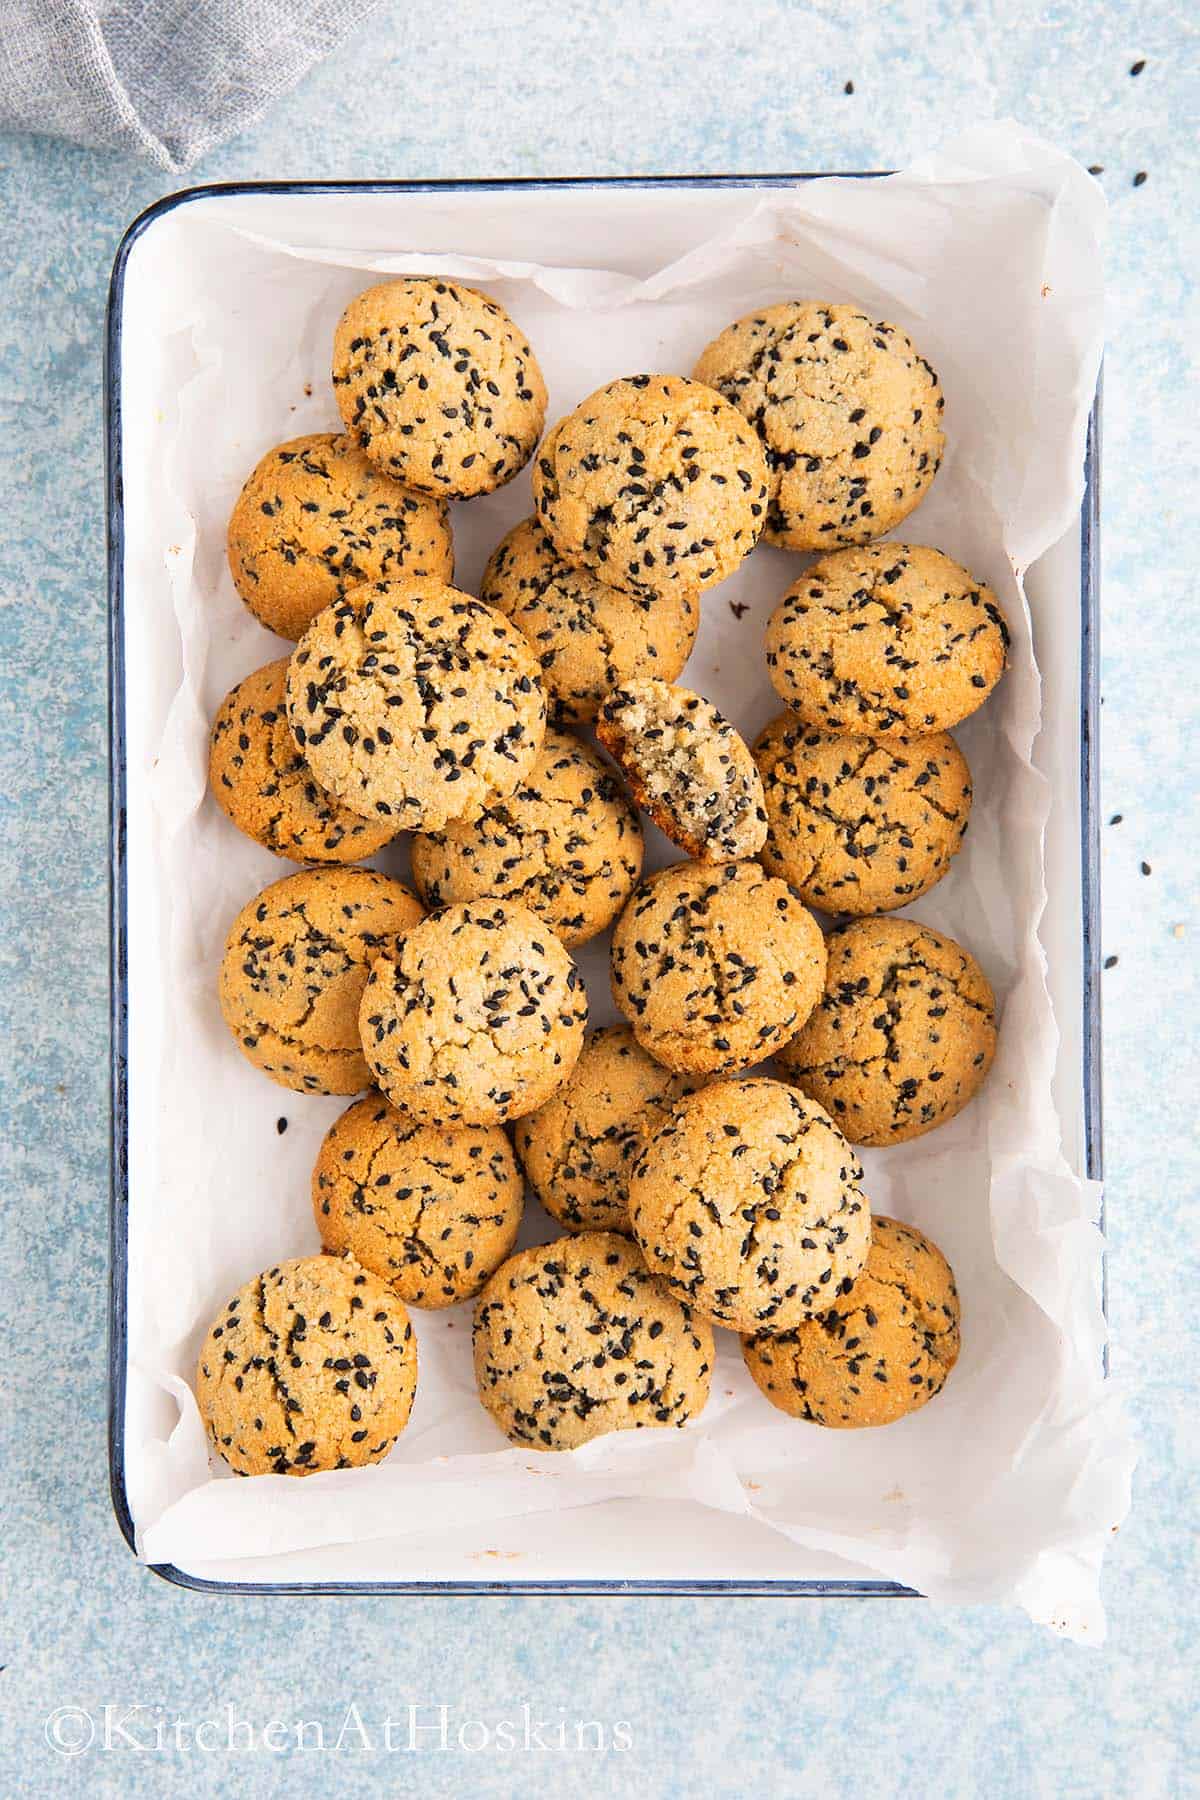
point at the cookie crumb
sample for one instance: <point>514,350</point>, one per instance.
<point>738,608</point>
<point>1116,818</point>
<point>1095,168</point>
<point>1145,868</point>
<point>281,1126</point>
<point>1139,178</point>
<point>1137,67</point>
<point>849,88</point>
<point>1110,962</point>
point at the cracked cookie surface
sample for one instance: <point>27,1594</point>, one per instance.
<point>687,767</point>
<point>848,411</point>
<point>312,1365</point>
<point>715,968</point>
<point>263,784</point>
<point>588,637</point>
<point>859,824</point>
<point>432,1210</point>
<point>891,641</point>
<point>477,1018</point>
<point>576,1339</point>
<point>567,844</point>
<point>578,1149</point>
<point>317,518</point>
<point>438,386</point>
<point>748,1202</point>
<point>654,483</point>
<point>294,970</point>
<point>883,1350</point>
<point>903,1036</point>
<point>415,704</point>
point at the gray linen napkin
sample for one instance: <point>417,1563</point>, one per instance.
<point>167,78</point>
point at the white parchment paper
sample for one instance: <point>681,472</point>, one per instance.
<point>1007,1487</point>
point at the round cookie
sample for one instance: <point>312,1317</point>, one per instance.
<point>715,968</point>
<point>860,825</point>
<point>748,1202</point>
<point>849,413</point>
<point>477,1018</point>
<point>576,1339</point>
<point>588,637</point>
<point>567,844</point>
<point>579,1148</point>
<point>904,1034</point>
<point>316,518</point>
<point>294,970</point>
<point>881,1351</point>
<point>438,386</point>
<point>431,1209</point>
<point>260,780</point>
<point>654,483</point>
<point>687,767</point>
<point>892,641</point>
<point>312,1365</point>
<point>414,703</point>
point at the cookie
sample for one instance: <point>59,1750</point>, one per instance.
<point>413,703</point>
<point>688,768</point>
<point>315,519</point>
<point>892,641</point>
<point>575,1339</point>
<point>567,844</point>
<point>880,1352</point>
<point>748,1202</point>
<point>312,1365</point>
<point>904,1034</point>
<point>849,413</point>
<point>260,780</point>
<point>588,637</point>
<point>431,1209</point>
<point>654,483</point>
<point>715,969</point>
<point>438,386</point>
<point>477,1018</point>
<point>579,1148</point>
<point>859,824</point>
<point>294,970</point>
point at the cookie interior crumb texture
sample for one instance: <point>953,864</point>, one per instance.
<point>576,1339</point>
<point>883,1349</point>
<point>687,767</point>
<point>438,386</point>
<point>312,1365</point>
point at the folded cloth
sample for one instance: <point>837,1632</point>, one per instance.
<point>166,78</point>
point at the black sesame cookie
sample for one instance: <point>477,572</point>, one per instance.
<point>688,768</point>
<point>431,1209</point>
<point>715,968</point>
<point>588,637</point>
<point>312,1365</point>
<point>415,704</point>
<point>859,824</point>
<point>567,844</point>
<point>294,970</point>
<point>438,386</point>
<point>891,641</point>
<point>576,1339</point>
<point>260,780</point>
<point>477,1018</point>
<point>880,1352</point>
<point>849,413</point>
<point>316,518</point>
<point>748,1202</point>
<point>578,1148</point>
<point>654,483</point>
<point>903,1036</point>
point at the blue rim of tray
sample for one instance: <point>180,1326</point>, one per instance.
<point>1089,676</point>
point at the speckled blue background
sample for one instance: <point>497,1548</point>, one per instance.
<point>723,1697</point>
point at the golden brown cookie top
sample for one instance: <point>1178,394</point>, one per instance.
<point>438,385</point>
<point>848,411</point>
<point>883,1349</point>
<point>316,518</point>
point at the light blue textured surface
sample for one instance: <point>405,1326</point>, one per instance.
<point>726,1697</point>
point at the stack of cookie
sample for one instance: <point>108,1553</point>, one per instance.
<point>687,1200</point>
